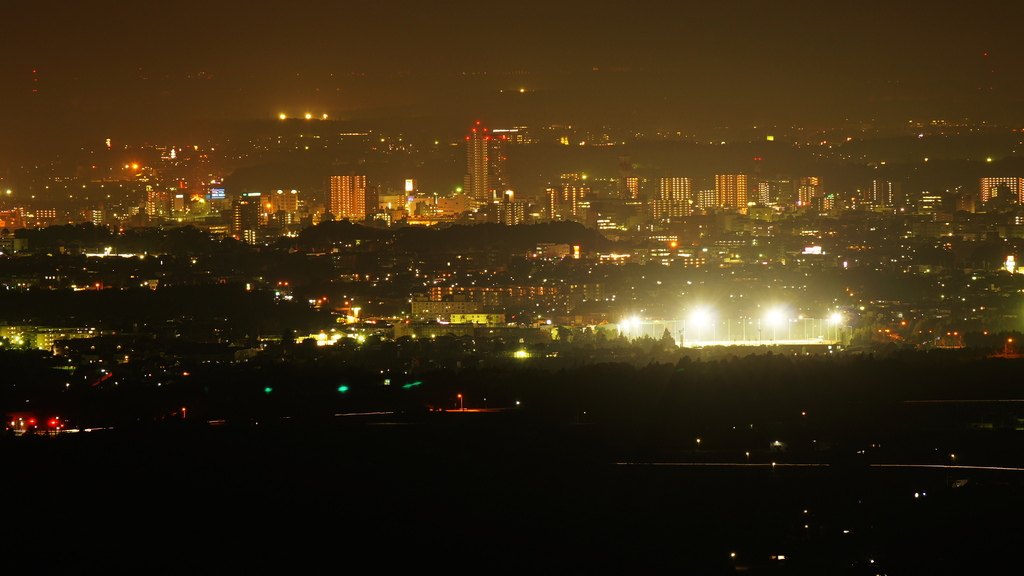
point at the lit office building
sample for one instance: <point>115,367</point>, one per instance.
<point>731,190</point>
<point>348,198</point>
<point>1006,189</point>
<point>485,165</point>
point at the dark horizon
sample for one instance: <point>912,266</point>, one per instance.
<point>83,73</point>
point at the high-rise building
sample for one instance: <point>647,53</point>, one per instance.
<point>245,218</point>
<point>510,212</point>
<point>966,201</point>
<point>674,198</point>
<point>565,202</point>
<point>677,189</point>
<point>929,203</point>
<point>706,199</point>
<point>280,208</point>
<point>731,190</point>
<point>179,204</point>
<point>755,182</point>
<point>886,193</point>
<point>661,209</point>
<point>764,194</point>
<point>809,189</point>
<point>11,219</point>
<point>156,202</point>
<point>632,188</point>
<point>97,216</point>
<point>283,200</point>
<point>778,191</point>
<point>824,203</point>
<point>348,198</point>
<point>1006,189</point>
<point>485,165</point>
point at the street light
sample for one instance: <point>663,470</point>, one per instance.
<point>701,317</point>
<point>631,327</point>
<point>775,317</point>
<point>835,319</point>
<point>461,405</point>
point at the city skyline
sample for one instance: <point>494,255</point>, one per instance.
<point>713,287</point>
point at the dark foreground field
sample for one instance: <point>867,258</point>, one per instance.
<point>475,493</point>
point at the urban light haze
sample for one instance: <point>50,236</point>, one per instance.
<point>81,71</point>
<point>612,287</point>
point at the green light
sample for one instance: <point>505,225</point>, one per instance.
<point>342,388</point>
<point>412,385</point>
<point>268,390</point>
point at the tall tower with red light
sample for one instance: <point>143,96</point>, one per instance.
<point>485,165</point>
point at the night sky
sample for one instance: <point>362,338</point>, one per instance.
<point>83,71</point>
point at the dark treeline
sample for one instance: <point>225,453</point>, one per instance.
<point>186,240</point>
<point>229,307</point>
<point>457,238</point>
<point>89,237</point>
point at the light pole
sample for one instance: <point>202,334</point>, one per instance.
<point>774,317</point>
<point>703,317</point>
<point>462,407</point>
<point>835,319</point>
